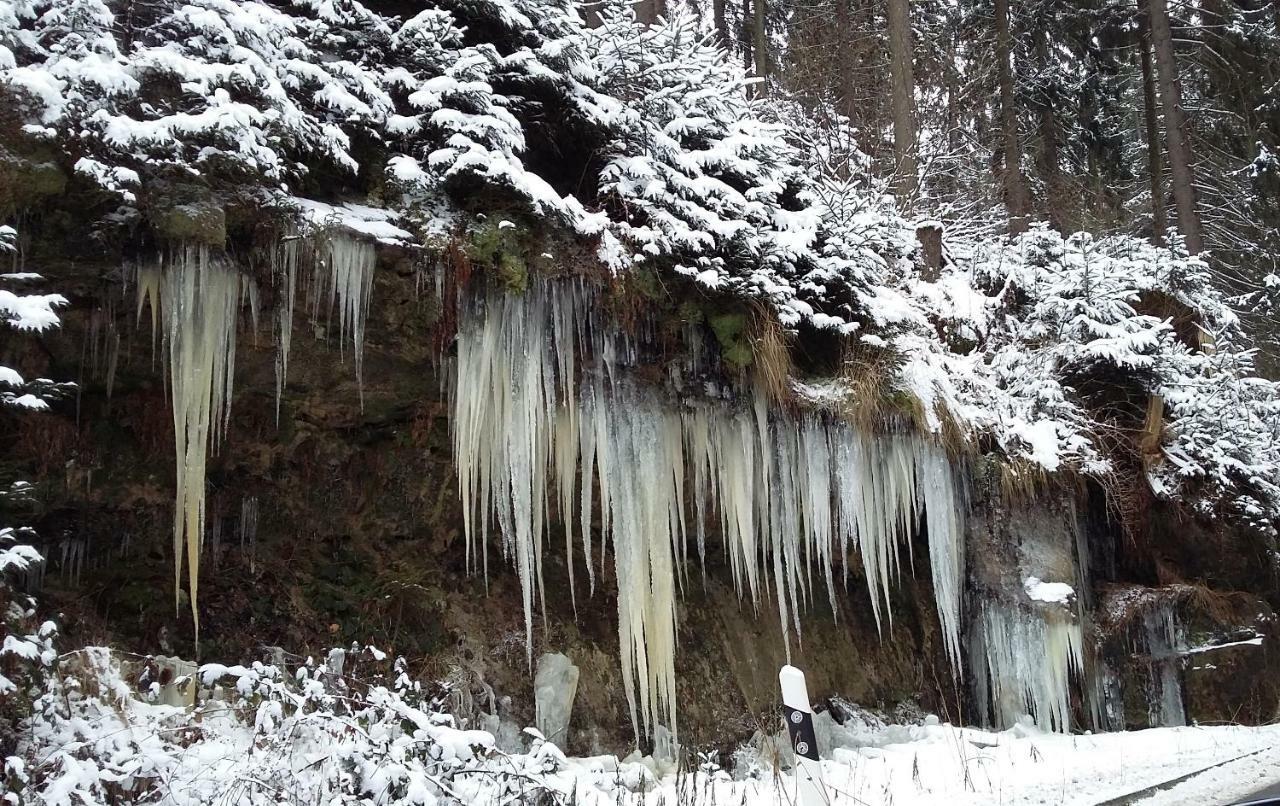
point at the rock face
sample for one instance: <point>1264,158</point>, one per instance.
<point>342,523</point>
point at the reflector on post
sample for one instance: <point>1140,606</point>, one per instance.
<point>809,790</point>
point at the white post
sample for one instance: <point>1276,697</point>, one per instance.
<point>799,717</point>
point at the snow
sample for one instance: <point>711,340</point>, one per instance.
<point>32,312</point>
<point>1230,782</point>
<point>1256,641</point>
<point>1052,592</point>
<point>358,219</point>
<point>264,730</point>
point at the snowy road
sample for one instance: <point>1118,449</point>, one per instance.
<point>1246,780</point>
<point>944,765</point>
<point>1267,793</point>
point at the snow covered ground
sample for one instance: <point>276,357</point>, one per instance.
<point>261,735</point>
<point>947,765</point>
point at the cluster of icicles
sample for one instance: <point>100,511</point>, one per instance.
<point>196,297</point>
<point>790,494</point>
<point>1023,663</point>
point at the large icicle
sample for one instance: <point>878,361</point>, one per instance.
<point>944,521</point>
<point>506,403</point>
<point>196,297</point>
<point>1163,640</point>
<point>641,481</point>
<point>284,268</point>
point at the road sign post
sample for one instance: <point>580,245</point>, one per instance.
<point>809,790</point>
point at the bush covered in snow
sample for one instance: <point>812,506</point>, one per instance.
<point>27,644</point>
<point>321,734</point>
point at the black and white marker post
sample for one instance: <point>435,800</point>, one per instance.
<point>809,790</point>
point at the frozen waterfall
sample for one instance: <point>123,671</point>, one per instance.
<point>543,401</point>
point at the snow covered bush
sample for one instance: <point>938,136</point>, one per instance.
<point>261,733</point>
<point>641,140</point>
<point>26,651</point>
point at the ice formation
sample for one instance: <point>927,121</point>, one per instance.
<point>542,398</point>
<point>196,298</point>
<point>554,688</point>
<point>284,269</point>
<point>1164,640</point>
<point>349,262</point>
<point>1023,660</point>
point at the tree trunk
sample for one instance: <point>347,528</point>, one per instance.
<point>1054,206</point>
<point>744,37</point>
<point>1175,126</point>
<point>845,95</point>
<point>1015,188</point>
<point>760,37</point>
<point>722,24</point>
<point>904,98</point>
<point>951,170</point>
<point>1155,169</point>
<point>648,11</point>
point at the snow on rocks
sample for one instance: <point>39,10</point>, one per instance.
<point>1050,592</point>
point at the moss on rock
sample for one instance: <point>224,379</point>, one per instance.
<point>200,222</point>
<point>23,182</point>
<point>731,332</point>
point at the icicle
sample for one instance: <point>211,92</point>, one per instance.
<point>350,262</point>
<point>935,485</point>
<point>247,528</point>
<point>1023,662</point>
<point>197,298</point>
<point>642,469</point>
<point>284,269</point>
<point>505,424</point>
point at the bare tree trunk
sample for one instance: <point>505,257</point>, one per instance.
<point>744,37</point>
<point>904,98</point>
<point>951,169</point>
<point>844,62</point>
<point>722,24</point>
<point>760,35</point>
<point>1175,126</point>
<point>1155,170</point>
<point>1049,169</point>
<point>1015,187</point>
<point>648,11</point>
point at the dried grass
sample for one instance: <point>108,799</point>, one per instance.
<point>1122,605</point>
<point>772,365</point>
